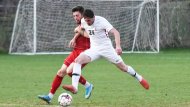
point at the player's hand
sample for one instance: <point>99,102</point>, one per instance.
<point>118,50</point>
<point>72,43</point>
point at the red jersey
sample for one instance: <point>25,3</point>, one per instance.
<point>82,43</point>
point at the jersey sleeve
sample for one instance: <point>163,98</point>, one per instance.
<point>106,25</point>
<point>83,23</point>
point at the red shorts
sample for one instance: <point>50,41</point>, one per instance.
<point>72,56</point>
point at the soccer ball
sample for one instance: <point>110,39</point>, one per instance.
<point>64,99</point>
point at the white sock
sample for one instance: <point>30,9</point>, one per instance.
<point>50,95</point>
<point>75,78</point>
<point>138,77</point>
<point>87,84</point>
<point>133,73</point>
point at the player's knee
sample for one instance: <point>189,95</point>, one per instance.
<point>70,68</point>
<point>69,71</point>
<point>82,59</point>
<point>61,72</point>
<point>79,60</point>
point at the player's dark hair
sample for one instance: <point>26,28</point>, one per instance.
<point>88,13</point>
<point>78,8</point>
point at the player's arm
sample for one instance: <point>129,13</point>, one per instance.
<point>73,40</point>
<point>116,34</point>
<point>84,33</point>
<point>80,31</point>
<point>111,30</point>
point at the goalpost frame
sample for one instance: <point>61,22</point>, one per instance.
<point>35,30</point>
<point>158,26</point>
<point>34,34</point>
<point>14,27</point>
<point>137,28</point>
<point>35,27</point>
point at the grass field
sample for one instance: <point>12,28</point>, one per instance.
<point>22,78</point>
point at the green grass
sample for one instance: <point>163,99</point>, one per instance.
<point>22,78</point>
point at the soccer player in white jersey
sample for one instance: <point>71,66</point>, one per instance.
<point>98,30</point>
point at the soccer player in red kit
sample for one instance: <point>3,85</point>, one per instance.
<point>79,43</point>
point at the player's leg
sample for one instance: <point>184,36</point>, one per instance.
<point>59,77</point>
<point>126,68</point>
<point>81,59</point>
<point>85,57</point>
<point>82,80</point>
<point>112,56</point>
<point>88,87</point>
<point>55,84</point>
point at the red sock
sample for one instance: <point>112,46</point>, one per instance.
<point>56,83</point>
<point>70,74</point>
<point>82,80</point>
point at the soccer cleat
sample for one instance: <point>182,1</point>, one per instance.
<point>70,88</point>
<point>88,91</point>
<point>45,98</point>
<point>144,83</point>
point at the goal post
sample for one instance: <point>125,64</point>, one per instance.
<point>46,26</point>
<point>143,8</point>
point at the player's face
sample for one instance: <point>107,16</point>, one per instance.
<point>89,21</point>
<point>77,17</point>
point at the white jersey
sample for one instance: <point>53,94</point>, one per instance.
<point>100,43</point>
<point>98,31</point>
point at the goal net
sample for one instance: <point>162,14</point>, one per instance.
<point>46,26</point>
